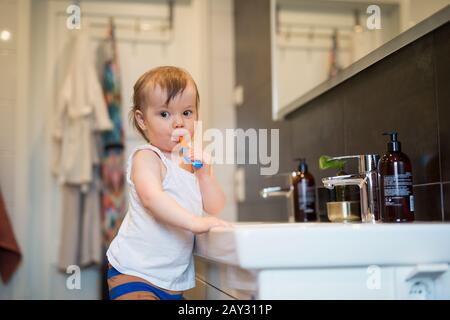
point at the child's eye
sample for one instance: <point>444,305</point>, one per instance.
<point>164,114</point>
<point>187,113</point>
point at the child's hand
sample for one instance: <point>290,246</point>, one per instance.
<point>204,158</point>
<point>204,224</point>
<point>191,152</point>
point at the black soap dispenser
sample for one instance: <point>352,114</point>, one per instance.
<point>304,190</point>
<point>396,183</point>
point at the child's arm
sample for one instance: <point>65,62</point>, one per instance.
<point>147,178</point>
<point>212,193</point>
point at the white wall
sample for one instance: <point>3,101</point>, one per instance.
<point>202,43</point>
<point>302,63</point>
<point>414,11</point>
<point>14,17</point>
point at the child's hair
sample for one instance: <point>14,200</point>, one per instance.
<point>172,80</point>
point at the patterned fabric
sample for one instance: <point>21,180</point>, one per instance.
<point>334,66</point>
<point>111,87</point>
<point>113,195</point>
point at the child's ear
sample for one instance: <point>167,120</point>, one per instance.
<point>139,116</point>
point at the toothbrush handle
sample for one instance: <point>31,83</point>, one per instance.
<point>196,163</point>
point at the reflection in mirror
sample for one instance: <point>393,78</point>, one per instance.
<point>314,40</point>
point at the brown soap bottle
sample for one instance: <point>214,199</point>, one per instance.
<point>304,194</point>
<point>396,184</point>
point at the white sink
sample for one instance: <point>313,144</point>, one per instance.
<point>306,245</point>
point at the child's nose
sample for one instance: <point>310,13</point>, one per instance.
<point>178,122</point>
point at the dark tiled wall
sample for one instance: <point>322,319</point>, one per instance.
<point>409,91</point>
<point>252,38</point>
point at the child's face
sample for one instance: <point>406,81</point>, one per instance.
<point>159,120</point>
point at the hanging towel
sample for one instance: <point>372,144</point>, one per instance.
<point>334,65</point>
<point>80,112</point>
<point>10,254</point>
<point>81,231</point>
<point>113,161</point>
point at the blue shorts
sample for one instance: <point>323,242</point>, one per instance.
<point>128,287</point>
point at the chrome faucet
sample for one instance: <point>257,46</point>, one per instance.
<point>366,179</point>
<point>286,192</point>
<point>276,192</point>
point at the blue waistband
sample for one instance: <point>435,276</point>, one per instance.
<point>138,286</point>
<point>112,272</point>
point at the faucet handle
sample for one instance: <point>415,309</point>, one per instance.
<point>366,162</point>
<point>276,191</point>
<point>345,157</point>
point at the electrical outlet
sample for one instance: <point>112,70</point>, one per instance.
<point>420,290</point>
<point>421,282</point>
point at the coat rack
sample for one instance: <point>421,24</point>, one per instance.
<point>287,31</point>
<point>132,28</point>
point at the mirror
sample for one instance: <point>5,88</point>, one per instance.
<point>314,42</point>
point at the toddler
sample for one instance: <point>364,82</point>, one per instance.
<point>151,256</point>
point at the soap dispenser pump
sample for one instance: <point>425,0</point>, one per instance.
<point>304,193</point>
<point>396,183</point>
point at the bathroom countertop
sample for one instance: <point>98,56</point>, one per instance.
<point>305,245</point>
<point>324,261</point>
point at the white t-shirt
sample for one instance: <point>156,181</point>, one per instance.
<point>150,249</point>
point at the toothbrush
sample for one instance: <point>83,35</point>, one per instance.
<point>196,163</point>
